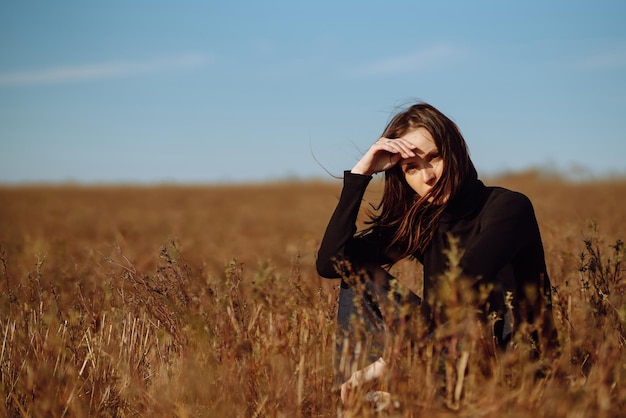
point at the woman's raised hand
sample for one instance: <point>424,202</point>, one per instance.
<point>383,154</point>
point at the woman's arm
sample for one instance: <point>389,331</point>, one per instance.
<point>342,225</point>
<point>510,236</point>
<point>339,243</point>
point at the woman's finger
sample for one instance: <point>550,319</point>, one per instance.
<point>395,146</point>
<point>398,145</point>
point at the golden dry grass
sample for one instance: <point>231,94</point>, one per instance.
<point>204,301</point>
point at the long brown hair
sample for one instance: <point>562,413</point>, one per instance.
<point>407,219</point>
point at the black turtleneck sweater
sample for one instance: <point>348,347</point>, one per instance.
<point>497,232</point>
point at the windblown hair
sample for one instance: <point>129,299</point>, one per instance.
<point>407,219</point>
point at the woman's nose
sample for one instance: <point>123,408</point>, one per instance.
<point>428,175</point>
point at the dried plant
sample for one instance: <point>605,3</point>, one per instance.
<point>104,313</point>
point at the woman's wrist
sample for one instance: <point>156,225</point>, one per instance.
<point>360,170</point>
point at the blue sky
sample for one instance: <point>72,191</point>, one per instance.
<point>153,91</point>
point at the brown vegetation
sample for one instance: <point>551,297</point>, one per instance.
<point>204,301</point>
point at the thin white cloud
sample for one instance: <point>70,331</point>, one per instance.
<point>432,57</point>
<point>114,69</point>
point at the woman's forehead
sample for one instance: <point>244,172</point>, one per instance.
<point>422,140</point>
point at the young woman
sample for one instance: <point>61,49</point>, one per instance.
<point>431,193</point>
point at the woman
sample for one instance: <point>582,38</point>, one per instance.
<point>431,195</point>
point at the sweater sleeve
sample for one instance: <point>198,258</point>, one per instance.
<point>339,241</point>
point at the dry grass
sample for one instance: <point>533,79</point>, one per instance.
<point>204,301</point>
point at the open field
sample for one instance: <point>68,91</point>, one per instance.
<point>204,301</point>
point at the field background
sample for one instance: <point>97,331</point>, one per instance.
<point>204,301</point>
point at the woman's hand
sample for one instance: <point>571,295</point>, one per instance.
<point>365,375</point>
<point>382,155</point>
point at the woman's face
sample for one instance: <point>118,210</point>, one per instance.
<point>422,171</point>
